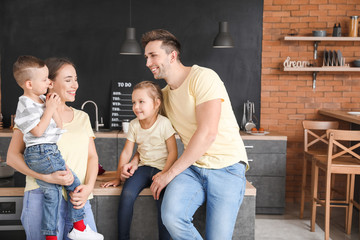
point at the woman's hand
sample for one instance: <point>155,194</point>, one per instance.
<point>128,170</point>
<point>80,195</point>
<point>64,178</point>
<point>113,183</point>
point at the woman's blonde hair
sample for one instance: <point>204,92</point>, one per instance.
<point>154,92</point>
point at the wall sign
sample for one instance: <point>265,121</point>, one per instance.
<point>120,103</point>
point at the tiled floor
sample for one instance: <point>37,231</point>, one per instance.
<point>290,227</point>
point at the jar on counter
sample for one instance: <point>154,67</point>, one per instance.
<point>353,26</point>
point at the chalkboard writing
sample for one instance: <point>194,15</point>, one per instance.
<point>120,103</point>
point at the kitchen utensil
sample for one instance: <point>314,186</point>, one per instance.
<point>251,110</point>
<point>243,120</point>
<point>339,57</point>
<point>334,59</point>
<point>357,63</point>
<point>319,33</point>
<point>5,170</point>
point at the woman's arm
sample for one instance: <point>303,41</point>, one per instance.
<point>81,193</point>
<point>15,159</point>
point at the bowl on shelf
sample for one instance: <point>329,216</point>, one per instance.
<point>319,33</point>
<point>356,63</point>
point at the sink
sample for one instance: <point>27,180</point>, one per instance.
<point>104,130</point>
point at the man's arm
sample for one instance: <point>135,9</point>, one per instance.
<point>207,117</point>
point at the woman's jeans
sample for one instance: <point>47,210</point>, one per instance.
<point>141,179</point>
<point>31,216</point>
<point>222,189</point>
<point>46,159</point>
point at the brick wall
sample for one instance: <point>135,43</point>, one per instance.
<point>287,98</point>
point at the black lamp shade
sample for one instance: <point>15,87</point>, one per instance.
<point>130,46</point>
<point>223,39</point>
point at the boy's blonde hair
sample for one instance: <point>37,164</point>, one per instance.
<point>22,68</point>
<point>154,92</point>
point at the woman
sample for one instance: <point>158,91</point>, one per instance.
<point>78,149</point>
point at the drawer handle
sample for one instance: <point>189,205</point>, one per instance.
<point>249,147</point>
<point>250,160</point>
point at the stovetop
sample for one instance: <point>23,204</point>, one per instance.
<point>18,180</point>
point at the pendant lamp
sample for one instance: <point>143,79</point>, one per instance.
<point>130,46</point>
<point>223,39</point>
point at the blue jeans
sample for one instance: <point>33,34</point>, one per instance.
<point>46,159</point>
<point>31,216</point>
<point>141,179</point>
<point>222,189</point>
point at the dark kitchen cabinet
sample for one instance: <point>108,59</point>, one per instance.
<point>267,173</point>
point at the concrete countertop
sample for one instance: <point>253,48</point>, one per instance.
<point>120,134</point>
<point>110,191</point>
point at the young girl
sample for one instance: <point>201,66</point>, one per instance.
<point>156,153</point>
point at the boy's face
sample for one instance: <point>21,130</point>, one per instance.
<point>40,81</point>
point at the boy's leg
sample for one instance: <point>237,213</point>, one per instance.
<point>183,196</point>
<point>225,192</point>
<point>75,214</point>
<point>131,189</point>
<point>51,201</point>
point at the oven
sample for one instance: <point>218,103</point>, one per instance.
<point>10,209</point>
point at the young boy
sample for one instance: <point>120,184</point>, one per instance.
<point>39,121</point>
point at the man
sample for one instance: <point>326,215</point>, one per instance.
<point>212,166</point>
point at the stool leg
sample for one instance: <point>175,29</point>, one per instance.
<point>327,205</point>
<point>314,188</point>
<point>351,199</point>
<point>303,186</point>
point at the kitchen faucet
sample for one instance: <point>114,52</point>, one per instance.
<point>97,124</point>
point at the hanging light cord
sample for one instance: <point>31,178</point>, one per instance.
<point>130,13</point>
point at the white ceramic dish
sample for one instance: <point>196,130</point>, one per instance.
<point>354,113</point>
<point>258,133</point>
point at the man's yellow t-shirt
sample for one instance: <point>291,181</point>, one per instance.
<point>73,146</point>
<point>202,85</point>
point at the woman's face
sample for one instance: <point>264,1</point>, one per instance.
<point>65,83</point>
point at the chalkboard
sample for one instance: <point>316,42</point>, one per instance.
<point>90,33</point>
<point>121,103</point>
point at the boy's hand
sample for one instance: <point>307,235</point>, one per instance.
<point>52,101</point>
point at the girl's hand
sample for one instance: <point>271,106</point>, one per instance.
<point>113,183</point>
<point>128,170</point>
<point>80,195</point>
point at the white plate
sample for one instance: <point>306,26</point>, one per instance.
<point>258,133</point>
<point>354,113</point>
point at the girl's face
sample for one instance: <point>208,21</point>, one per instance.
<point>65,83</point>
<point>144,106</point>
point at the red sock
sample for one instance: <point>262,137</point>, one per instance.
<point>51,237</point>
<point>79,225</point>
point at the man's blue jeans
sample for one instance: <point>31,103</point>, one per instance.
<point>141,179</point>
<point>46,159</point>
<point>222,189</point>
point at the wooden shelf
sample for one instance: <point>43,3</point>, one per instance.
<point>319,39</point>
<point>323,69</point>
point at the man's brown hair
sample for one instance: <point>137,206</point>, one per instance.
<point>169,41</point>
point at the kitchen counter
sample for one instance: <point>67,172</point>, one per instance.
<point>120,134</point>
<point>341,115</point>
<point>99,191</point>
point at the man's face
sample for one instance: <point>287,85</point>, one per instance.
<point>157,60</point>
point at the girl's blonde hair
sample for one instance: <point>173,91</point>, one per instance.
<point>154,92</point>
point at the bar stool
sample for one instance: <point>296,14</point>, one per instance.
<point>344,161</point>
<point>316,131</point>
